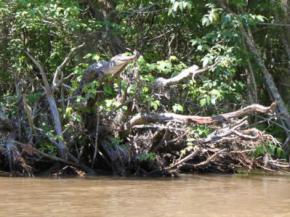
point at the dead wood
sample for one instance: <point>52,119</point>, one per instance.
<point>58,74</point>
<point>52,105</point>
<point>193,119</point>
<point>209,159</point>
<point>233,141</point>
<point>185,159</point>
<point>71,161</point>
<point>163,82</point>
<point>226,149</point>
<point>192,71</point>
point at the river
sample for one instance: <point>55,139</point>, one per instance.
<point>219,196</point>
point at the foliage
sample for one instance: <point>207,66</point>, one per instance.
<point>147,157</point>
<point>171,36</point>
<point>271,149</point>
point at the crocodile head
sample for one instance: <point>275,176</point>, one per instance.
<point>120,61</point>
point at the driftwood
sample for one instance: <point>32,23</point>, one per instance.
<point>209,159</point>
<point>226,149</point>
<point>193,119</point>
<point>71,161</point>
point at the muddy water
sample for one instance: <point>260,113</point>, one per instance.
<point>188,196</point>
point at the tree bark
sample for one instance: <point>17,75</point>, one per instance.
<point>268,78</point>
<point>52,106</point>
<point>58,74</point>
<point>191,71</point>
<point>285,39</point>
<point>193,119</point>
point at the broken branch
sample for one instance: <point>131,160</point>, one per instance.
<point>191,71</point>
<point>193,119</point>
<point>58,74</point>
<point>207,161</point>
<point>52,105</point>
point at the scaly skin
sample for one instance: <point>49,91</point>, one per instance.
<point>113,67</point>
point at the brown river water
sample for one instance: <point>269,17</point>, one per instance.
<point>220,196</point>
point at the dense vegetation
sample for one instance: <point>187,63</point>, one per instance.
<point>243,47</point>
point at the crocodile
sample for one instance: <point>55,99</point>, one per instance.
<point>112,67</point>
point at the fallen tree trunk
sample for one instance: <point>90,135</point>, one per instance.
<point>194,119</point>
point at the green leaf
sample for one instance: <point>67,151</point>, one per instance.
<point>155,104</point>
<point>108,90</point>
<point>177,108</point>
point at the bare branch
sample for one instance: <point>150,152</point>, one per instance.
<point>58,74</point>
<point>41,70</point>
<point>185,159</point>
<point>159,127</point>
<point>244,136</point>
<point>207,161</point>
<point>193,119</point>
<point>52,105</point>
<point>74,161</point>
<point>186,73</point>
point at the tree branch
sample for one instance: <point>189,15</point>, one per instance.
<point>188,119</point>
<point>41,71</point>
<point>186,73</point>
<point>268,78</point>
<point>58,74</point>
<point>185,159</point>
<point>52,106</point>
<point>207,161</point>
